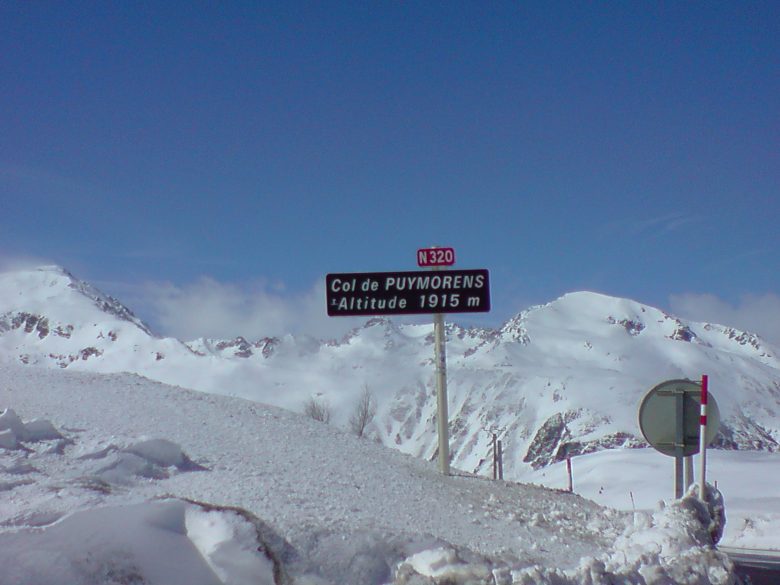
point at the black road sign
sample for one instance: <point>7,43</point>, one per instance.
<point>408,293</point>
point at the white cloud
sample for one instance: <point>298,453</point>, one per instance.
<point>650,227</point>
<point>663,224</point>
<point>207,308</point>
<point>755,313</point>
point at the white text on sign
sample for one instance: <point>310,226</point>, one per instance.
<point>390,293</point>
<point>431,257</point>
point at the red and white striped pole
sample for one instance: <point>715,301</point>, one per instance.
<point>702,437</point>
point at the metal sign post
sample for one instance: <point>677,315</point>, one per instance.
<point>435,258</point>
<point>668,420</point>
<point>442,414</point>
<point>416,293</point>
<point>679,441</point>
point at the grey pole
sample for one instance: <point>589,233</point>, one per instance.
<point>688,472</point>
<point>679,444</point>
<point>500,460</point>
<point>441,393</point>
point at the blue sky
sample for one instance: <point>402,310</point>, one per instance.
<point>209,162</point>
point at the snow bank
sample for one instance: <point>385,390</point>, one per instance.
<point>672,545</point>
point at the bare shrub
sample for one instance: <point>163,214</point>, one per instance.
<point>317,409</point>
<point>364,413</point>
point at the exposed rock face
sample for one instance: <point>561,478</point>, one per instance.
<point>239,344</point>
<point>515,330</point>
<point>555,442</point>
<point>632,327</point>
<point>30,323</point>
<point>683,333</point>
<point>743,338</point>
<point>267,345</point>
<point>742,434</point>
<point>105,303</point>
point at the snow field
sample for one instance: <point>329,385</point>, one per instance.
<point>328,507</point>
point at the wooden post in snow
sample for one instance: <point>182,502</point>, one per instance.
<point>495,456</point>
<point>500,461</point>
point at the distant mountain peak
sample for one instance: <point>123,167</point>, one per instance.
<point>40,290</point>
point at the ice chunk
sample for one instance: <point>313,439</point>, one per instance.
<point>10,421</point>
<point>443,565</point>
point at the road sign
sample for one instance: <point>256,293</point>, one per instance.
<point>432,257</point>
<point>669,417</point>
<point>408,293</point>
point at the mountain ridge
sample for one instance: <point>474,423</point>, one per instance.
<point>556,380</point>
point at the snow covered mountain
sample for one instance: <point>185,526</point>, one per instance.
<point>565,378</point>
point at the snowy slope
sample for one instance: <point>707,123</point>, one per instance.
<point>560,379</point>
<point>120,479</point>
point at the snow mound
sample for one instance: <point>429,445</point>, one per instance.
<point>171,542</point>
<point>13,431</point>
<point>147,458</point>
<point>232,545</point>
<point>162,452</point>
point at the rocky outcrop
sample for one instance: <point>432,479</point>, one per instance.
<point>554,441</point>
